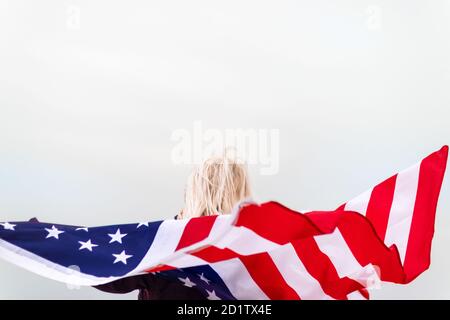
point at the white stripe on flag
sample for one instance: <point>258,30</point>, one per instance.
<point>238,280</point>
<point>336,248</point>
<point>402,209</point>
<point>355,295</point>
<point>164,244</point>
<point>184,260</point>
<point>345,263</point>
<point>220,226</point>
<point>360,203</point>
<point>296,275</point>
<point>245,241</point>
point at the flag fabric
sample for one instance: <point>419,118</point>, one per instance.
<point>260,251</point>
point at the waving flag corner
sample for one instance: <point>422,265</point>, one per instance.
<point>431,176</point>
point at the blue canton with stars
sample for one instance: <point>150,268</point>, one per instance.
<point>106,251</point>
<point>203,278</point>
<point>99,251</point>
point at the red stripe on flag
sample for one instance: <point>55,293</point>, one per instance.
<point>197,229</point>
<point>367,247</point>
<point>276,222</point>
<point>266,274</point>
<point>261,268</point>
<point>315,261</point>
<point>380,205</point>
<point>358,232</point>
<point>321,268</point>
<point>213,254</point>
<point>431,174</point>
<point>161,267</point>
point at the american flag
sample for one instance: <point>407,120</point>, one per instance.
<point>260,251</point>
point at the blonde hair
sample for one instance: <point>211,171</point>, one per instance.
<point>215,187</point>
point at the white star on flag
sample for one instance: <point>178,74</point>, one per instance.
<point>53,232</point>
<point>116,237</point>
<point>202,277</point>
<point>8,226</point>
<point>142,224</point>
<point>84,229</point>
<point>122,257</point>
<point>87,245</point>
<point>212,295</point>
<point>187,282</point>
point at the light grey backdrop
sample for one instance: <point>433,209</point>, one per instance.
<point>91,91</point>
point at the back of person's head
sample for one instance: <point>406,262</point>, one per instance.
<point>215,187</point>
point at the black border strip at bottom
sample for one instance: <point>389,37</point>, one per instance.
<point>162,310</point>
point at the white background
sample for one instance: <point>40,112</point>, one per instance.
<point>91,91</point>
